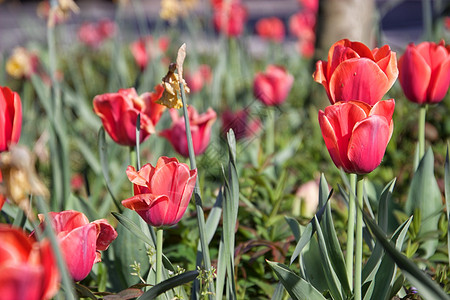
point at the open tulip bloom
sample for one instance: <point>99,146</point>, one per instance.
<point>11,121</point>
<point>356,134</point>
<point>424,72</point>
<point>80,240</point>
<point>161,193</point>
<point>353,71</point>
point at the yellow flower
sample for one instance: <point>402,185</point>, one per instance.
<point>19,177</point>
<point>62,11</point>
<point>21,63</point>
<point>172,9</point>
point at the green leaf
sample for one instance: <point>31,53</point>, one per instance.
<point>169,284</point>
<point>447,199</point>
<point>424,284</point>
<point>133,228</point>
<point>297,287</point>
<point>424,195</point>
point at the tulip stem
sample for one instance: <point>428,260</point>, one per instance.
<point>422,115</point>
<point>351,229</point>
<point>270,132</point>
<point>359,239</point>
<point>197,197</point>
<point>159,245</point>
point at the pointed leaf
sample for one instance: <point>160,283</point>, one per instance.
<point>169,284</point>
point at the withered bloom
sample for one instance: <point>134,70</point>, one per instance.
<point>19,177</point>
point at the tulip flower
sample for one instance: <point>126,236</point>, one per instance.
<point>229,17</point>
<point>273,86</point>
<point>241,123</point>
<point>146,48</point>
<point>28,269</point>
<point>22,63</point>
<point>197,79</point>
<point>161,193</point>
<point>424,72</point>
<point>357,134</point>
<point>11,121</point>
<point>79,240</point>
<point>94,34</point>
<point>119,112</point>
<point>271,29</point>
<point>200,129</point>
<point>354,72</point>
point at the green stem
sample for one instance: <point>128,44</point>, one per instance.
<point>427,19</point>
<point>159,245</point>
<point>359,239</point>
<point>270,132</point>
<point>198,199</point>
<point>351,229</point>
<point>422,115</point>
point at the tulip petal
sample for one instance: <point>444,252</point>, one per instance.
<point>368,144</point>
<point>66,220</point>
<point>140,202</point>
<point>330,139</point>
<point>106,234</point>
<point>79,247</point>
<point>384,108</point>
<point>187,194</point>
<point>439,82</point>
<point>358,79</point>
<point>21,282</point>
<point>414,75</point>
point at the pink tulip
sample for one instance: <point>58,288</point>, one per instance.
<point>354,72</point>
<point>229,17</point>
<point>356,134</point>
<point>197,79</point>
<point>273,86</point>
<point>200,129</point>
<point>80,241</point>
<point>161,193</point>
<point>425,72</point>
<point>28,269</point>
<point>146,48</point>
<point>270,29</point>
<point>11,121</point>
<point>241,123</point>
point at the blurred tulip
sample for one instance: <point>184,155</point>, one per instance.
<point>28,269</point>
<point>447,23</point>
<point>311,5</point>
<point>119,112</point>
<point>22,63</point>
<point>270,29</point>
<point>200,130</point>
<point>198,78</point>
<point>11,121</point>
<point>94,34</point>
<point>424,72</point>
<point>229,17</point>
<point>161,193</point>
<point>79,240</point>
<point>357,134</point>
<point>306,199</point>
<point>241,123</point>
<point>354,72</point>
<point>147,48</point>
<point>302,23</point>
<point>273,86</point>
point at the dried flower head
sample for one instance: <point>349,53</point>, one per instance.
<point>22,63</point>
<point>19,177</point>
<point>62,11</point>
<point>171,82</point>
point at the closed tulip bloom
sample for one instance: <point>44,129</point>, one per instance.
<point>356,134</point>
<point>243,125</point>
<point>28,269</point>
<point>197,79</point>
<point>229,17</point>
<point>80,240</point>
<point>354,72</point>
<point>425,72</point>
<point>11,121</point>
<point>200,129</point>
<point>119,112</point>
<point>146,48</point>
<point>161,193</point>
<point>271,29</point>
<point>273,86</point>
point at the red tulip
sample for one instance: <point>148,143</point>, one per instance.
<point>11,120</point>
<point>79,240</point>
<point>425,72</point>
<point>302,23</point>
<point>197,79</point>
<point>146,48</point>
<point>273,86</point>
<point>161,193</point>
<point>271,29</point>
<point>354,72</point>
<point>357,134</point>
<point>241,123</point>
<point>119,112</point>
<point>28,269</point>
<point>229,17</point>
<point>94,34</point>
<point>200,130</point>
